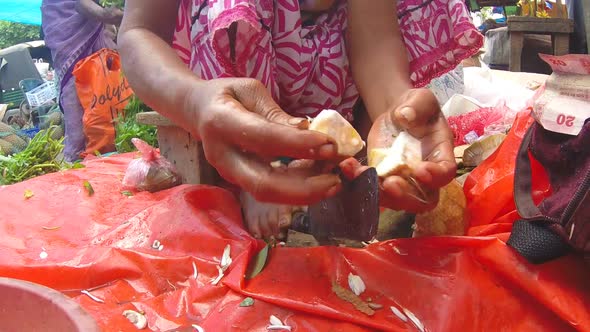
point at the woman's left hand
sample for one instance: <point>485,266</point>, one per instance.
<point>419,113</point>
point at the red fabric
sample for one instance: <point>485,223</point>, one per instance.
<point>473,283</point>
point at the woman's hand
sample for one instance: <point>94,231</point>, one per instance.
<point>243,130</point>
<point>418,112</point>
<point>111,15</point>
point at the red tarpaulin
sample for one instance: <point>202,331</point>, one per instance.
<point>473,283</point>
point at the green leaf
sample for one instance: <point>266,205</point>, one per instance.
<point>248,302</point>
<point>258,263</point>
<point>126,193</point>
<point>77,166</point>
<point>88,188</point>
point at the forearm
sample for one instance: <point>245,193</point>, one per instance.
<point>89,9</point>
<point>156,74</point>
<point>377,53</point>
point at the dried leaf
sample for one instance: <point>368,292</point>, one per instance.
<point>258,262</point>
<point>350,297</point>
<point>126,193</point>
<point>28,194</point>
<point>356,284</point>
<point>88,187</point>
<point>375,306</point>
<point>248,302</point>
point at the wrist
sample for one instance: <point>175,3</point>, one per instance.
<point>194,103</point>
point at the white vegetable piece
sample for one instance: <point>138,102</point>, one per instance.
<point>198,328</point>
<point>277,325</point>
<point>356,284</point>
<point>398,314</point>
<point>400,159</point>
<point>274,320</point>
<point>226,258</point>
<point>136,319</point>
<point>331,123</point>
<point>414,320</point>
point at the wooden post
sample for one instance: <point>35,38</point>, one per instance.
<point>516,44</point>
<point>586,9</point>
<point>182,149</point>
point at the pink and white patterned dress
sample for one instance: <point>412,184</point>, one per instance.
<point>305,66</point>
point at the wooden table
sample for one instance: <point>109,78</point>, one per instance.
<point>518,26</point>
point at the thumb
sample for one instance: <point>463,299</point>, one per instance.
<point>257,99</point>
<point>419,108</point>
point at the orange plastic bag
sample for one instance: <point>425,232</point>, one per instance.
<point>103,92</point>
<point>489,188</point>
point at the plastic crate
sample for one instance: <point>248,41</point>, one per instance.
<point>12,97</point>
<point>41,94</point>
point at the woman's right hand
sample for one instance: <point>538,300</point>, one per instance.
<point>242,130</point>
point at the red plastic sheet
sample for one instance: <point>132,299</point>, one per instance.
<point>450,284</point>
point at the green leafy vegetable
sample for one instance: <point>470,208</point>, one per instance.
<point>126,193</point>
<point>258,263</point>
<point>113,3</point>
<point>88,188</point>
<point>127,128</point>
<point>41,156</point>
<point>248,302</point>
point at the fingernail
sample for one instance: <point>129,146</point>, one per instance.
<point>327,151</point>
<point>300,123</point>
<point>408,113</point>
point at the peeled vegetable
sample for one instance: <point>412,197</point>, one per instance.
<point>400,159</point>
<point>331,123</point>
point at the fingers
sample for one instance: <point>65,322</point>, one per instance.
<point>399,194</point>
<point>296,187</point>
<point>256,134</point>
<point>352,168</point>
<point>418,110</point>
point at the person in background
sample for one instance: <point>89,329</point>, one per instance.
<point>242,75</point>
<point>73,30</point>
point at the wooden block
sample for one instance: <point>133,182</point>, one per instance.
<point>153,119</point>
<point>516,43</point>
<point>182,149</point>
<point>561,43</point>
<point>540,25</point>
<point>586,10</point>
